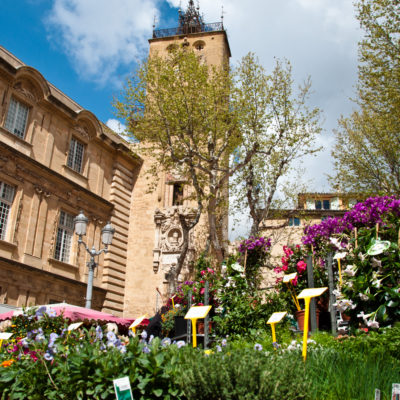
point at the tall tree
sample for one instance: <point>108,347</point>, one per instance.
<point>367,150</point>
<point>186,115</point>
<point>285,128</point>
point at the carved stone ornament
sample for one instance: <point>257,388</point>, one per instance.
<point>27,93</point>
<point>82,131</point>
<point>169,237</point>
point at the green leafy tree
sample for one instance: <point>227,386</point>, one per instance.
<point>367,150</point>
<point>188,117</point>
<point>285,128</point>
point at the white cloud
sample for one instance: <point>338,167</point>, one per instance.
<point>116,125</point>
<point>100,36</point>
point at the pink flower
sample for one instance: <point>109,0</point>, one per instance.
<point>301,267</point>
<point>202,273</point>
<point>202,290</point>
<point>211,271</point>
<point>294,281</point>
<point>284,268</point>
<point>200,304</point>
<point>202,282</point>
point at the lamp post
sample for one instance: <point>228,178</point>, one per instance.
<point>107,234</point>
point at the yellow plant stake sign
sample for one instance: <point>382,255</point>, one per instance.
<point>194,314</point>
<point>4,336</point>
<point>288,280</point>
<point>338,257</point>
<point>136,323</point>
<point>307,295</point>
<point>172,300</point>
<point>274,319</point>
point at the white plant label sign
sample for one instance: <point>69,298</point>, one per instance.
<point>377,394</point>
<point>396,391</point>
<point>196,312</point>
<point>122,387</point>
<point>137,321</point>
<point>5,335</point>
<point>74,326</point>
<point>276,317</point>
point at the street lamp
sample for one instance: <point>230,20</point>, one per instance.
<point>107,234</point>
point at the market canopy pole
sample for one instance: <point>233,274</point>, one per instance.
<point>310,278</point>
<point>332,297</point>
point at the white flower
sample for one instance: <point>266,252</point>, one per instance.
<point>363,316</point>
<point>377,283</point>
<point>344,304</point>
<point>350,270</point>
<point>373,324</point>
<point>223,269</point>
<point>376,263</point>
<point>337,293</point>
<point>335,242</point>
<point>363,296</point>
<point>361,256</point>
<point>237,267</point>
<point>339,255</point>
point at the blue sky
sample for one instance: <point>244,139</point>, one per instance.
<point>28,33</point>
<point>87,48</point>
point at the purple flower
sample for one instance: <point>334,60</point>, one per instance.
<point>111,337</point>
<point>165,342</point>
<point>40,311</point>
<point>99,332</point>
<point>144,335</point>
<point>146,350</point>
<point>53,338</point>
<point>258,347</point>
<point>180,343</point>
<point>51,313</point>
<point>48,356</point>
<point>223,342</point>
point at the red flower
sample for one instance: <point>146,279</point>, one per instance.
<point>301,267</point>
<point>294,281</point>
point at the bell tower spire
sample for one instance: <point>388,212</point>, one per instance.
<point>191,21</point>
<point>208,40</point>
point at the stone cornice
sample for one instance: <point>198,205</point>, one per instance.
<point>57,176</point>
<point>50,275</point>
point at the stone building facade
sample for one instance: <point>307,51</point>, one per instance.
<point>56,159</point>
<point>285,227</point>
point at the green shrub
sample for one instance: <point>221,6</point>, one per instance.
<point>385,342</point>
<point>242,374</point>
